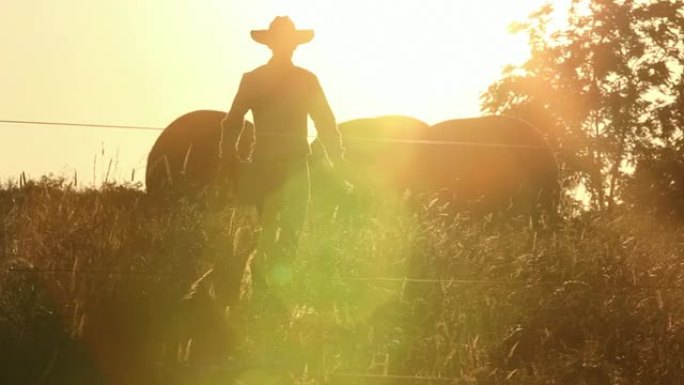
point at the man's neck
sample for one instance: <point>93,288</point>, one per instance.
<point>281,60</point>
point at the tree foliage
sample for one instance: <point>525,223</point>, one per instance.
<point>608,93</point>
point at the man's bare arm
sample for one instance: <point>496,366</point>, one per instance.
<point>232,123</point>
<point>325,123</point>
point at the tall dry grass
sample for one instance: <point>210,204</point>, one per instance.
<point>109,286</point>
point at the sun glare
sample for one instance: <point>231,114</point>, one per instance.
<point>408,57</point>
<point>138,63</point>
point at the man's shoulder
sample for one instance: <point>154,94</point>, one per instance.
<point>266,71</point>
<point>304,72</point>
<point>307,76</point>
<point>254,72</point>
<point>268,68</point>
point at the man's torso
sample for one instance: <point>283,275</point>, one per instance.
<point>279,97</point>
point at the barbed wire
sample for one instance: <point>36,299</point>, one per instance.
<point>407,378</point>
<point>143,273</point>
<point>284,369</point>
<point>506,282</point>
<point>273,134</point>
<point>272,368</point>
<point>441,281</point>
<point>403,378</point>
<point>68,124</point>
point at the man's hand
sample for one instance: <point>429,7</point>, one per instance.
<point>342,172</point>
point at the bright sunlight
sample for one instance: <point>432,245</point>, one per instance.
<point>426,59</point>
<point>147,63</point>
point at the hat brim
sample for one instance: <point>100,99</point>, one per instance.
<point>269,38</point>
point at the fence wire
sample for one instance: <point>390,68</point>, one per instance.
<point>369,280</point>
<point>273,134</point>
<point>440,281</point>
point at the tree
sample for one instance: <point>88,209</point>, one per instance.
<point>603,90</point>
<point>658,179</point>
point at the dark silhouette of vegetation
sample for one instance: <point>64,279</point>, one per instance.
<point>108,287</point>
<point>113,286</point>
<point>607,90</point>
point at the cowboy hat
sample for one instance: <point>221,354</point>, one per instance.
<point>282,32</point>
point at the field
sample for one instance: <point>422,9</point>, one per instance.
<point>106,286</point>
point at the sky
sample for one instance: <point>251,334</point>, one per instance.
<point>144,63</point>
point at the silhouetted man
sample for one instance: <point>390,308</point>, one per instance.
<point>281,96</point>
